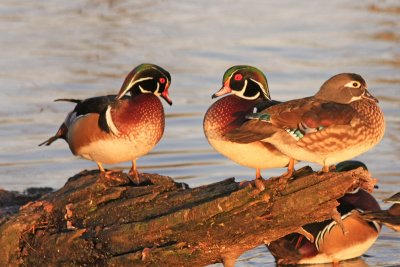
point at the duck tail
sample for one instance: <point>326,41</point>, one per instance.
<point>390,217</point>
<point>77,101</point>
<point>61,134</point>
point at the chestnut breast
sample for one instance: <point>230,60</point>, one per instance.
<point>142,114</point>
<point>226,115</point>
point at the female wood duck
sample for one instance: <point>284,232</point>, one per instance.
<point>249,90</point>
<point>341,121</point>
<point>330,243</point>
<point>116,128</point>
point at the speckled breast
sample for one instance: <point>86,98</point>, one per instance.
<point>227,114</point>
<point>338,143</point>
<point>372,123</point>
<point>140,118</point>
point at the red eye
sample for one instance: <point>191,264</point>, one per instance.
<point>238,77</point>
<point>162,80</point>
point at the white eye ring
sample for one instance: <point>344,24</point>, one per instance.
<point>353,84</point>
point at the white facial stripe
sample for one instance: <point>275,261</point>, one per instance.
<point>133,82</point>
<point>243,88</point>
<point>263,89</point>
<point>158,88</point>
<point>110,122</point>
<point>144,91</point>
<point>354,98</point>
<point>241,93</point>
<point>252,97</point>
<point>230,77</point>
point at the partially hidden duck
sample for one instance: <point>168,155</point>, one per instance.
<point>328,243</point>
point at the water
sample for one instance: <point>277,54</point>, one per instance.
<point>69,49</point>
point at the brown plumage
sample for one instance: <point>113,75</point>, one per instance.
<point>340,122</point>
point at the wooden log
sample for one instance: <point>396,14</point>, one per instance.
<point>94,221</point>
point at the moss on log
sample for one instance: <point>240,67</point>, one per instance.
<point>94,221</point>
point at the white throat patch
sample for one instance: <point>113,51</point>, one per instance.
<point>133,82</point>
<point>355,98</point>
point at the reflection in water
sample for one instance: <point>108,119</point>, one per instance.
<point>394,9</point>
<point>359,262</point>
<point>70,49</point>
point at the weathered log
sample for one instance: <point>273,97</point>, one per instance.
<point>94,221</point>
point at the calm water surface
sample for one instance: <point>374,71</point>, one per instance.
<point>65,49</point>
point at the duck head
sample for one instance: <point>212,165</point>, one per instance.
<point>345,88</point>
<point>147,79</point>
<point>244,81</point>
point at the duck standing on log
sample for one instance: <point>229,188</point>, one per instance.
<point>248,90</point>
<point>341,121</point>
<point>116,128</point>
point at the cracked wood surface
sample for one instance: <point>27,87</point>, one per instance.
<point>93,221</point>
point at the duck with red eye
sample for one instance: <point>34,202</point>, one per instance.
<point>341,121</point>
<point>117,128</point>
<point>246,89</point>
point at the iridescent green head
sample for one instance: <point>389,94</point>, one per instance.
<point>246,82</point>
<point>147,79</point>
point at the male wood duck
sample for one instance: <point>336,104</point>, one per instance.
<point>341,121</point>
<point>329,243</point>
<point>116,128</point>
<point>249,90</point>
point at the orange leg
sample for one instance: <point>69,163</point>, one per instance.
<point>290,170</point>
<point>133,169</point>
<point>258,173</point>
<point>100,167</point>
<point>107,174</point>
<point>259,181</point>
<point>133,173</point>
<point>283,179</point>
<point>325,168</point>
